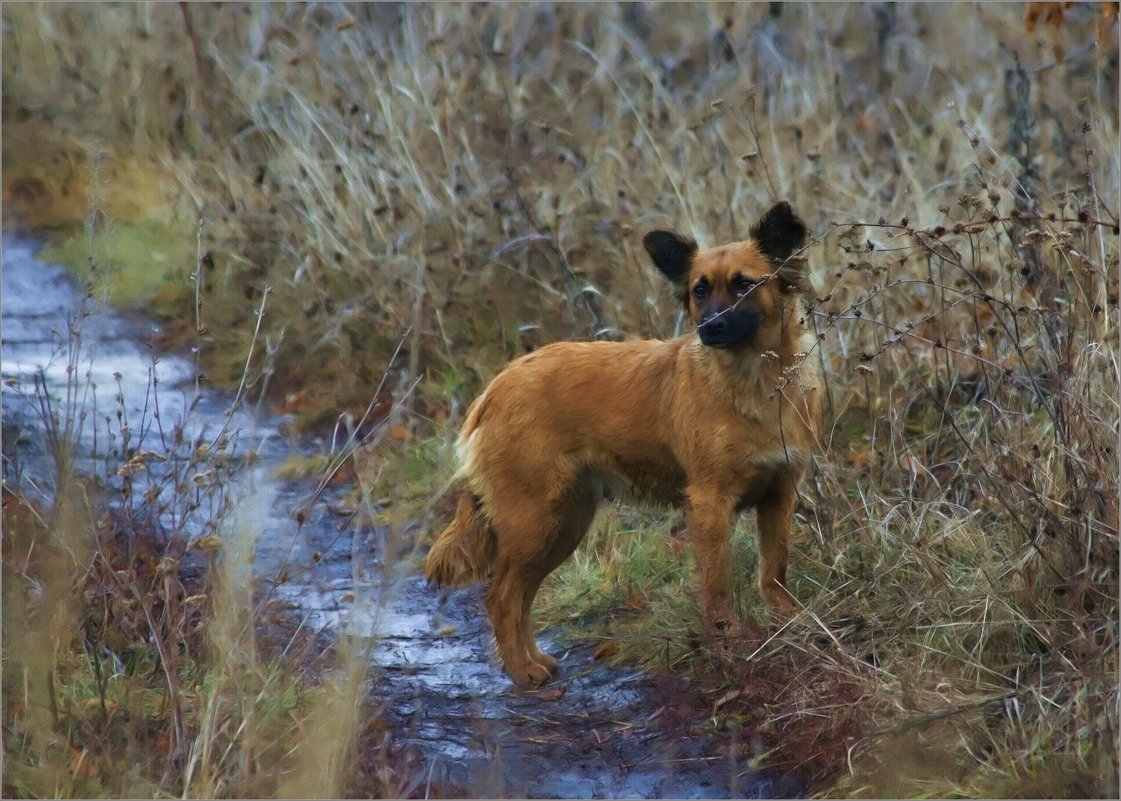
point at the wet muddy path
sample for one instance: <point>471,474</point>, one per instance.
<point>451,717</point>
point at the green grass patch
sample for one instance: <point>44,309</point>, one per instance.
<point>632,585</point>
<point>130,262</point>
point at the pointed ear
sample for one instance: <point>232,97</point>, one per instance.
<point>779,233</point>
<point>672,253</point>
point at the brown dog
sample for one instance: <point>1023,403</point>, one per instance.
<point>720,419</point>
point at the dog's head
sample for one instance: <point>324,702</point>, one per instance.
<point>733,293</point>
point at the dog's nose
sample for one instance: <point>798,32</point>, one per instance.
<point>728,327</point>
<point>716,326</point>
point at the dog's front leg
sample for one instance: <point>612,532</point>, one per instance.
<point>709,519</point>
<point>776,523</point>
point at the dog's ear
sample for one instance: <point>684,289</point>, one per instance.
<point>779,233</point>
<point>672,253</point>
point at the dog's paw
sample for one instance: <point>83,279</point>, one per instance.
<point>780,609</point>
<point>542,672</point>
<point>719,628</point>
<point>726,631</point>
<point>534,674</point>
<point>549,661</point>
<point>779,602</point>
<point>721,622</point>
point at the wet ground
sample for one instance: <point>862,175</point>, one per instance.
<point>451,715</point>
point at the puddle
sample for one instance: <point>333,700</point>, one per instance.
<point>124,394</point>
<point>451,714</point>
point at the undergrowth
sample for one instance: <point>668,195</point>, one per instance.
<point>442,187</point>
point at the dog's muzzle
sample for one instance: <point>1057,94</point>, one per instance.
<point>728,327</point>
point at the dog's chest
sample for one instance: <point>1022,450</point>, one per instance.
<point>762,471</point>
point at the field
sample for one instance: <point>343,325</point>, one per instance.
<point>359,213</point>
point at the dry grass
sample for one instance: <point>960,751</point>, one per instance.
<point>475,179</point>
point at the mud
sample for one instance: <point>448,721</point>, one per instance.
<point>451,721</point>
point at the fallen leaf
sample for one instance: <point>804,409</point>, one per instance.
<point>606,649</point>
<point>552,694</point>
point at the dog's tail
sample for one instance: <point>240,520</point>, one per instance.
<point>465,550</point>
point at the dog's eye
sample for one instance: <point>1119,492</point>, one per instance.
<point>700,291</point>
<point>741,285</point>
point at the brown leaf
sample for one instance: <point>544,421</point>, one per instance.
<point>1106,23</point>
<point>606,650</point>
<point>1049,13</point>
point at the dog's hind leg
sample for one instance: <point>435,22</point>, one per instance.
<point>506,609</point>
<point>530,546</point>
<point>577,513</point>
<point>776,521</point>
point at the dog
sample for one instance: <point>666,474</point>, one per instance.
<point>721,419</point>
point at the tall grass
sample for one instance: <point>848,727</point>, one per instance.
<point>476,179</point>
<point>483,173</point>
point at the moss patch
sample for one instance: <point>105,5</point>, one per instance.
<point>134,260</point>
<point>122,213</point>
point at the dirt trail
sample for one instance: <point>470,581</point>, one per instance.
<point>451,715</point>
<point>597,732</point>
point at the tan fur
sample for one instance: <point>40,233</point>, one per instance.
<point>714,430</point>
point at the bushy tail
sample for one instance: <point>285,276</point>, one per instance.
<point>464,552</point>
